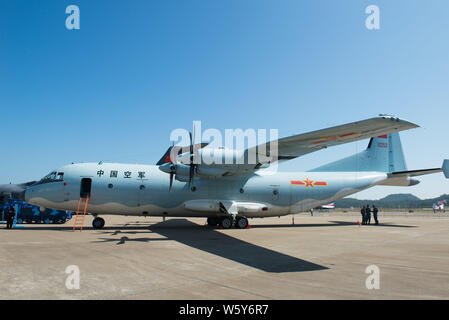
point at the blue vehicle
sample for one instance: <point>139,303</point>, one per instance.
<point>28,213</point>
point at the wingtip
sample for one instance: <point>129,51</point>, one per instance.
<point>397,119</point>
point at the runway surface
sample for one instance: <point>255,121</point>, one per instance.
<point>319,257</point>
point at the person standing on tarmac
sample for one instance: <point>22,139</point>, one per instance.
<point>10,215</point>
<point>375,211</point>
<point>6,216</point>
<point>368,214</point>
<point>362,211</point>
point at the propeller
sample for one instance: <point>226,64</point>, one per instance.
<point>172,173</point>
<point>191,164</point>
<point>193,167</point>
<point>168,162</point>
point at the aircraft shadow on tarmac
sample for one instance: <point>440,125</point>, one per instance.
<point>220,244</point>
<point>217,243</point>
<point>330,224</point>
<point>139,226</point>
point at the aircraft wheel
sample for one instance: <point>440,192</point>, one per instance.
<point>241,223</point>
<point>98,223</point>
<point>226,223</point>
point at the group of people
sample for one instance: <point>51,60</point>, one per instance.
<point>9,215</point>
<point>366,214</point>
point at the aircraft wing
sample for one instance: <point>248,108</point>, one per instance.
<point>290,147</point>
<point>301,144</point>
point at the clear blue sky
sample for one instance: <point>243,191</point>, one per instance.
<point>136,70</point>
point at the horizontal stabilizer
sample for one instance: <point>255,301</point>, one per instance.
<point>415,173</point>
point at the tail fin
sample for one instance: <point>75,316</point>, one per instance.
<point>384,154</point>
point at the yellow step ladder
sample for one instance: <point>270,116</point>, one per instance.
<point>80,214</point>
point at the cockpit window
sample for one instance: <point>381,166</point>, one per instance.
<point>53,177</point>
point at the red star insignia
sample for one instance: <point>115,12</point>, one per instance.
<point>309,183</point>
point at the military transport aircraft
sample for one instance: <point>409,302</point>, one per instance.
<point>228,194</point>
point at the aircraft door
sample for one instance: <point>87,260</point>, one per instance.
<point>86,186</point>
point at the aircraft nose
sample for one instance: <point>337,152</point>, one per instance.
<point>28,195</point>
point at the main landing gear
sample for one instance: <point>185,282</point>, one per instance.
<point>228,222</point>
<point>241,222</point>
<point>98,223</point>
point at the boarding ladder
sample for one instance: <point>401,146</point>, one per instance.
<point>80,213</point>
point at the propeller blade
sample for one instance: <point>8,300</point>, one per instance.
<point>191,173</point>
<point>171,181</point>
<point>191,170</point>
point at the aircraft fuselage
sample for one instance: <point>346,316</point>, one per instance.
<point>143,190</point>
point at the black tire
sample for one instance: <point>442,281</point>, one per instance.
<point>226,223</point>
<point>98,223</point>
<point>241,223</point>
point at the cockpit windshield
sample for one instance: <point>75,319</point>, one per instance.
<point>53,176</point>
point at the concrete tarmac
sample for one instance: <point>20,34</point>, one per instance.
<point>319,257</point>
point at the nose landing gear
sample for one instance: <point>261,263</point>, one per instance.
<point>98,223</point>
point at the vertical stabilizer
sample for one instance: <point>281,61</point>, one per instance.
<point>384,153</point>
